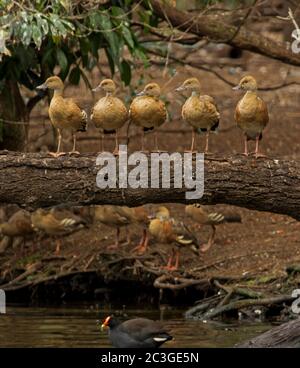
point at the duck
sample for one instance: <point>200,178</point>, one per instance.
<point>64,113</point>
<point>122,216</point>
<point>139,216</point>
<point>199,111</point>
<point>167,230</point>
<point>110,113</point>
<point>203,217</point>
<point>57,221</point>
<point>148,111</point>
<point>136,333</point>
<point>251,113</point>
<point>18,225</point>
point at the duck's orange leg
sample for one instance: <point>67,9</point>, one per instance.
<point>58,153</point>
<point>117,243</point>
<point>74,152</point>
<point>256,153</point>
<point>142,247</point>
<point>192,150</point>
<point>245,146</point>
<point>210,242</point>
<point>206,141</point>
<point>116,150</point>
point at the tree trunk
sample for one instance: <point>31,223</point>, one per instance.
<point>37,180</point>
<point>12,113</point>
<point>283,336</point>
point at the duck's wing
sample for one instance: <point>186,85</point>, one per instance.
<point>262,112</point>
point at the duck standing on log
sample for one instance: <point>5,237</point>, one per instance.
<point>200,112</point>
<point>251,113</point>
<point>109,113</point>
<point>148,111</point>
<point>64,113</point>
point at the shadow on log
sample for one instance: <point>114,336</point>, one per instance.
<point>286,335</point>
<point>37,180</point>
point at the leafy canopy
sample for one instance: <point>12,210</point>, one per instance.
<point>36,36</point>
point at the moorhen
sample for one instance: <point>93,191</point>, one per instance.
<point>199,111</point>
<point>136,333</point>
<point>251,113</point>
<point>64,113</point>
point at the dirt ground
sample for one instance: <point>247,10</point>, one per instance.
<point>263,245</point>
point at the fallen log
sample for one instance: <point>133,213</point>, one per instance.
<point>286,335</point>
<point>34,180</point>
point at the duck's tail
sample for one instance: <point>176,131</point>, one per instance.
<point>83,122</point>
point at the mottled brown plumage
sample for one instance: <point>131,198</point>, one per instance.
<point>251,113</point>
<point>18,226</point>
<point>56,222</point>
<point>109,113</point>
<point>203,217</point>
<point>64,113</point>
<point>200,112</point>
<point>167,230</point>
<point>148,111</point>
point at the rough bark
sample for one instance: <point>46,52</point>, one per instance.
<point>284,336</point>
<point>214,27</point>
<point>36,180</point>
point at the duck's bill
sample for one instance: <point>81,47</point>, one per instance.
<point>236,88</point>
<point>103,327</point>
<point>96,89</point>
<point>181,88</point>
<point>42,86</point>
<point>142,93</point>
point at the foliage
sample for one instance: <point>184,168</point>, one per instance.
<point>36,36</point>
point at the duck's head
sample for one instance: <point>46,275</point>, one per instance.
<point>107,85</point>
<point>162,213</point>
<point>247,83</point>
<point>151,89</point>
<point>189,208</point>
<point>54,83</point>
<point>191,84</point>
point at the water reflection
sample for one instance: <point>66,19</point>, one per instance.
<point>77,327</point>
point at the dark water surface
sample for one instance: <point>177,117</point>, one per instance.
<point>76,326</point>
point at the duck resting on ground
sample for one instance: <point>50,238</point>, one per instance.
<point>135,333</point>
<point>148,111</point>
<point>167,230</point>
<point>251,113</point>
<point>64,113</point>
<point>109,113</point>
<point>199,111</point>
<point>18,226</point>
<point>203,217</point>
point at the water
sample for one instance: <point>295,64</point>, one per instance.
<point>75,326</point>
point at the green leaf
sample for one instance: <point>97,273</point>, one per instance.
<point>37,35</point>
<point>126,33</point>
<point>26,34</point>
<point>62,60</point>
<point>111,37</point>
<point>125,71</point>
<point>74,76</point>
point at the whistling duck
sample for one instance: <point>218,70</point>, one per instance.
<point>111,216</point>
<point>251,113</point>
<point>64,113</point>
<point>135,333</point>
<point>109,113</point>
<point>138,215</point>
<point>169,231</point>
<point>18,225</point>
<point>203,217</point>
<point>200,112</point>
<point>148,111</point>
<point>57,221</point>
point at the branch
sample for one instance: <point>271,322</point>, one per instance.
<point>213,27</point>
